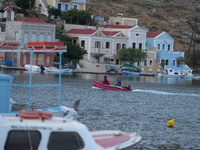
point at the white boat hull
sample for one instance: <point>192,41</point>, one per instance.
<point>58,133</point>
<point>172,76</point>
<point>55,70</point>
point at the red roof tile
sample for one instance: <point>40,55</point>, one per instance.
<point>153,34</point>
<point>32,20</point>
<point>119,26</point>
<point>110,33</point>
<point>81,31</point>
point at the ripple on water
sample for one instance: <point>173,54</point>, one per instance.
<point>151,105</point>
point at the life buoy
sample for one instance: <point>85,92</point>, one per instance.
<point>35,114</point>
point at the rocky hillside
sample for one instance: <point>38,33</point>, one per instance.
<point>171,16</point>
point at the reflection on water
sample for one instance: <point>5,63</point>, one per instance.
<point>152,103</point>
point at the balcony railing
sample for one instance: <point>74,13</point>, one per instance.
<point>97,51</point>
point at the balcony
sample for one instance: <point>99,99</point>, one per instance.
<point>97,52</point>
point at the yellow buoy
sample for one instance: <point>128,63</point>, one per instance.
<point>170,123</point>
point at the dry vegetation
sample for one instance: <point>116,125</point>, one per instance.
<point>157,15</point>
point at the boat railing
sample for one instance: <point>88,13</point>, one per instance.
<point>31,85</point>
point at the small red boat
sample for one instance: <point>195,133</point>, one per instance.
<point>99,84</point>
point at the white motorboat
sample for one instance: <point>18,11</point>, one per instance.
<point>39,130</point>
<point>172,73</point>
<point>56,70</point>
<point>35,68</point>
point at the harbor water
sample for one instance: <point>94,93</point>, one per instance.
<point>153,102</point>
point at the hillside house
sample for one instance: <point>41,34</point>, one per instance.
<point>123,21</point>
<point>8,14</point>
<point>163,44</point>
<point>63,5</point>
<point>29,30</point>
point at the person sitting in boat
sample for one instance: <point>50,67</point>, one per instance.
<point>118,82</point>
<point>105,81</point>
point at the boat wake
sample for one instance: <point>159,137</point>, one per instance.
<point>165,93</point>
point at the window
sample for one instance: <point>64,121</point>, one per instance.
<point>16,36</point>
<point>167,62</point>
<point>134,44</point>
<point>49,37</point>
<point>118,46</point>
<point>59,6</point>
<point>163,46</point>
<point>33,37</point>
<point>145,63</point>
<point>40,59</point>
<point>150,62</point>
<point>48,60</point>
<point>107,45</point>
<point>25,59</point>
<point>66,7</point>
<point>158,46</point>
<point>123,46</point>
<point>97,44</point>
<point>174,62</point>
<point>75,6</point>
<point>137,34</point>
<point>41,38</point>
<point>140,46</point>
<point>169,47</point>
<point>25,38</point>
<point>20,139</point>
<point>83,43</point>
<point>40,8</point>
<point>69,140</point>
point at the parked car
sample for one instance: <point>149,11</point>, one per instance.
<point>112,68</point>
<point>131,69</point>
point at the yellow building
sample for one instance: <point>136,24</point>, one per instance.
<point>63,5</point>
<point>123,21</point>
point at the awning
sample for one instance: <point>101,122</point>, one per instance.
<point>9,44</point>
<point>46,46</point>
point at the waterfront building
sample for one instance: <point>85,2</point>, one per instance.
<point>100,45</point>
<point>163,45</point>
<point>29,30</point>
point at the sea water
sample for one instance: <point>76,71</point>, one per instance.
<point>153,101</point>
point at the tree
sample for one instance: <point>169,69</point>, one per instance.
<point>54,12</point>
<point>194,22</point>
<point>180,61</point>
<point>131,55</point>
<point>74,52</point>
<point>163,63</point>
<point>75,16</point>
<point>25,4</point>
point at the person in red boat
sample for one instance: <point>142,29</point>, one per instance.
<point>105,81</point>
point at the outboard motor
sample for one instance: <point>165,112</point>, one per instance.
<point>42,69</point>
<point>128,87</point>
